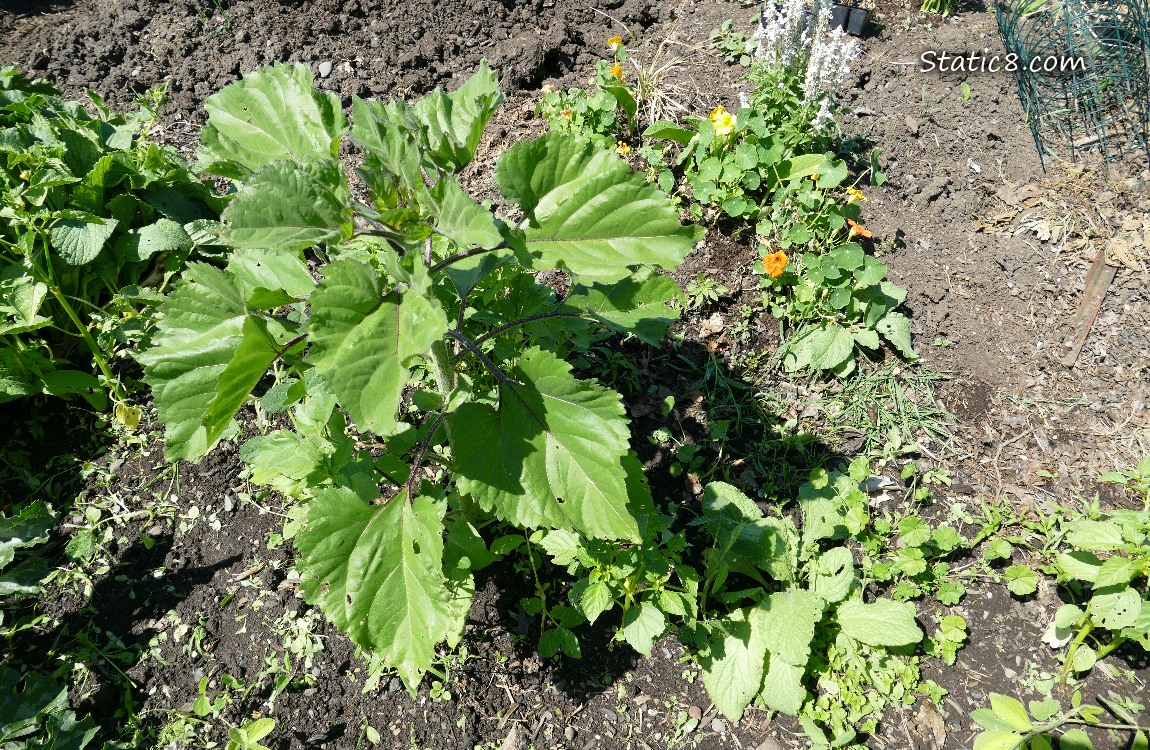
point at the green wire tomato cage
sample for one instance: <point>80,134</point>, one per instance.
<point>1082,68</point>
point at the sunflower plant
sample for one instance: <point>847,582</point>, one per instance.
<point>422,367</point>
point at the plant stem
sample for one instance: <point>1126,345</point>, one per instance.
<point>1073,651</point>
<point>470,346</point>
<point>1102,652</point>
<point>462,256</point>
<point>97,355</point>
<point>443,371</point>
<point>525,321</point>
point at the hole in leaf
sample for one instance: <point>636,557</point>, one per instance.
<point>415,547</point>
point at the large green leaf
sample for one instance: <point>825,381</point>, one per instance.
<point>895,328</point>
<point>273,270</point>
<point>27,528</point>
<point>642,305</point>
<point>588,213</point>
<point>290,206</point>
<point>461,219</point>
<point>273,113</point>
<point>881,623</point>
<point>551,453</point>
<point>377,573</point>
<point>821,347</point>
<point>256,352</point>
<point>79,242</point>
<point>783,687</point>
<point>733,664</point>
<point>788,620</point>
<point>204,325</point>
<point>363,340</point>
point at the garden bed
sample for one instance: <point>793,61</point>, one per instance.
<point>993,251</point>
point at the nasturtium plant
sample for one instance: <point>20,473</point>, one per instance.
<point>421,363</point>
<point>95,220</point>
<point>839,302</point>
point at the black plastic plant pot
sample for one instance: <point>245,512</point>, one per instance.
<point>840,16</point>
<point>856,23</point>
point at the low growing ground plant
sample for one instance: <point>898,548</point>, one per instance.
<point>96,219</point>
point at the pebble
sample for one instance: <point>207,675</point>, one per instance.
<point>717,726</point>
<point>695,712</point>
<point>569,733</point>
<point>325,69</point>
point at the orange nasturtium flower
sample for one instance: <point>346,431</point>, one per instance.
<point>858,229</point>
<point>723,121</point>
<point>775,263</point>
<point>854,195</point>
<point>617,70</point>
<point>548,88</point>
<point>615,42</point>
<point>565,114</point>
<point>623,149</point>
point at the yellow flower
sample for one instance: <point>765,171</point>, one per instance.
<point>615,43</point>
<point>723,121</point>
<point>815,178</point>
<point>858,229</point>
<point>854,195</point>
<point>622,149</point>
<point>775,263</point>
<point>617,70</point>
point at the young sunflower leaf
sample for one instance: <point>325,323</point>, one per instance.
<point>274,113</point>
<point>454,122</point>
<point>643,625</point>
<point>733,664</point>
<point>783,688</point>
<point>256,352</point>
<point>588,213</point>
<point>460,219</point>
<point>202,329</point>
<point>551,453</point>
<point>787,620</point>
<point>377,573</point>
<point>363,340</point>
<point>881,623</point>
<point>392,167</point>
<point>273,270</point>
<point>78,241</point>
<point>289,205</point>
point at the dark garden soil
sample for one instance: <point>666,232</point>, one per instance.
<point>993,250</point>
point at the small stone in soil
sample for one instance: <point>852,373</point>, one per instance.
<point>569,733</point>
<point>718,726</point>
<point>325,69</point>
<point>695,712</point>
